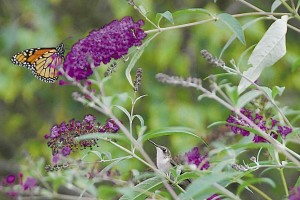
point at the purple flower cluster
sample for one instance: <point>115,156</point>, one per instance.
<point>270,126</point>
<point>112,41</point>
<point>294,194</point>
<point>10,181</point>
<point>194,157</point>
<point>62,137</point>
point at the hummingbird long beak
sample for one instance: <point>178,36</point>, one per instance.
<point>154,143</point>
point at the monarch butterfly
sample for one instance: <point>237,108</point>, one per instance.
<point>42,62</point>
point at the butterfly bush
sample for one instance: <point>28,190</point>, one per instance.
<point>270,126</point>
<point>62,137</point>
<point>112,41</point>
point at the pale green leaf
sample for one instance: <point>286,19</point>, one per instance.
<point>170,131</point>
<point>124,111</point>
<point>275,5</point>
<point>247,97</point>
<point>97,153</point>
<point>141,119</point>
<point>135,58</point>
<point>266,53</point>
<point>277,91</point>
<point>204,182</point>
<point>143,189</point>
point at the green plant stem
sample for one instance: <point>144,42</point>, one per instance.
<point>260,192</point>
<point>284,182</point>
<point>180,26</point>
<point>295,14</point>
<point>271,16</point>
<point>273,167</point>
<point>131,118</point>
<point>215,19</point>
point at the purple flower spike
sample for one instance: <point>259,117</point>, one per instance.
<point>62,138</point>
<point>112,41</point>
<point>266,125</point>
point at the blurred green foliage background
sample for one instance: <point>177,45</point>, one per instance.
<point>29,107</point>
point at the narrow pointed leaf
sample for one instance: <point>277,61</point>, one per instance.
<point>167,15</point>
<point>234,25</point>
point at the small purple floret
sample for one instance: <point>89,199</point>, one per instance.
<point>193,157</point>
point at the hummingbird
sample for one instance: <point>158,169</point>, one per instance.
<point>164,161</point>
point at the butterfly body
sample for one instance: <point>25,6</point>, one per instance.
<point>42,62</point>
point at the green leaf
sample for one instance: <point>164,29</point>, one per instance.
<point>267,90</point>
<point>111,165</point>
<point>167,15</point>
<point>232,93</point>
<point>275,5</point>
<point>135,58</point>
<point>170,131</point>
<point>141,119</point>
<point>234,25</point>
<point>244,27</point>
<point>276,90</point>
<point>217,124</point>
<point>107,155</point>
<point>187,175</point>
<point>267,52</point>
<point>192,11</point>
<point>243,55</point>
<point>143,189</point>
<point>124,111</point>
<point>247,97</point>
<point>204,182</point>
<point>97,153</point>
<point>143,10</point>
<point>252,181</point>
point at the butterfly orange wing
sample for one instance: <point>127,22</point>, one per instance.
<point>42,62</point>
